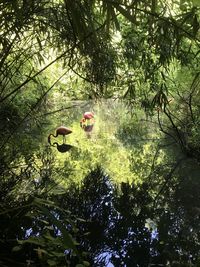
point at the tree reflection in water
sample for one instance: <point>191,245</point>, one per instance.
<point>117,222</point>
<point>118,225</point>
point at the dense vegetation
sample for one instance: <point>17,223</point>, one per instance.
<point>129,195</point>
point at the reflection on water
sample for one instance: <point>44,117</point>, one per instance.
<point>124,196</point>
<point>124,228</point>
<point>62,148</point>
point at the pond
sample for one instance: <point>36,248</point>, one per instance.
<point>122,195</point>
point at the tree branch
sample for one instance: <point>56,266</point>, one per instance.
<point>51,63</point>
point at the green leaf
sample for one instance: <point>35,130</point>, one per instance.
<point>52,263</point>
<point>67,238</point>
<point>39,42</point>
<point>195,25</point>
<point>33,240</point>
<point>86,263</point>
<point>57,254</point>
<point>125,13</point>
<point>114,17</point>
<point>16,248</point>
<point>39,250</point>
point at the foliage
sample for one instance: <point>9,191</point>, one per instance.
<point>137,177</point>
